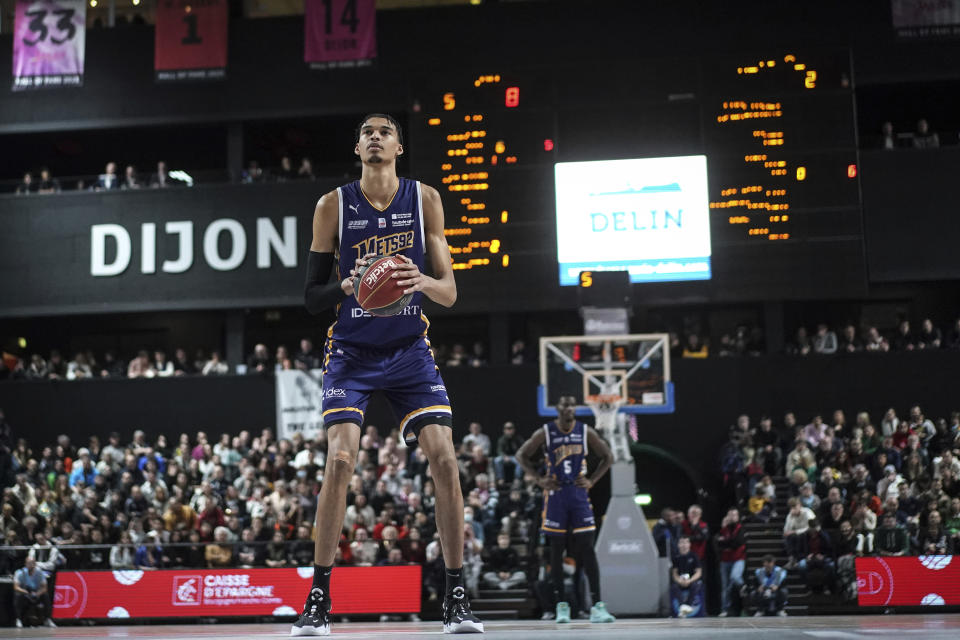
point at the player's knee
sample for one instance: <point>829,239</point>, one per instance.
<point>341,464</point>
<point>445,466</point>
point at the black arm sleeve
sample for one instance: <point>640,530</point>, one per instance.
<point>319,294</point>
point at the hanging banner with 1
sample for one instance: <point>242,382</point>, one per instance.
<point>191,40</point>
<point>299,403</point>
<point>48,43</point>
<point>340,33</point>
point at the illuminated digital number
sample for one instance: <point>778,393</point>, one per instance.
<point>801,174</point>
<point>811,80</point>
<point>586,278</point>
<point>512,97</point>
<point>449,102</point>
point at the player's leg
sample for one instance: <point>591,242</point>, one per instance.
<point>557,545</point>
<point>584,528</point>
<point>436,440</point>
<point>343,443</point>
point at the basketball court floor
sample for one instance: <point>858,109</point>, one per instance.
<point>806,628</point>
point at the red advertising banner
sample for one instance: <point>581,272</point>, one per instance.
<point>909,581</point>
<point>172,593</point>
<point>191,40</point>
<point>340,33</point>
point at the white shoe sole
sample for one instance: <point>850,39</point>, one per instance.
<point>463,627</point>
<point>310,631</point>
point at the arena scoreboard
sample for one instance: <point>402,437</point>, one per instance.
<point>777,129</point>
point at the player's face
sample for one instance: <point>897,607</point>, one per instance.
<point>566,407</point>
<point>378,142</point>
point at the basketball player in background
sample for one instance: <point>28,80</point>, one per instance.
<point>382,214</point>
<point>566,502</point>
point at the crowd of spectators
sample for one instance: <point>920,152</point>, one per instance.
<point>849,339</point>
<point>109,180</point>
<point>922,137</point>
<point>249,500</point>
<point>285,172</point>
<point>887,488</point>
<point>156,363</point>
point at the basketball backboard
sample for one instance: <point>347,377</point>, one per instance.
<point>596,368</point>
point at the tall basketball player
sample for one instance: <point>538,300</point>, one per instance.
<point>566,503</point>
<point>386,215</point>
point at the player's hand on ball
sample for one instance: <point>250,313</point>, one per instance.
<point>410,277</point>
<point>583,482</point>
<point>349,284</point>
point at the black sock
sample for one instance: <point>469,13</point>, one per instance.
<point>321,579</point>
<point>454,578</point>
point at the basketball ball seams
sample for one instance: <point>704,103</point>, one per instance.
<point>374,290</point>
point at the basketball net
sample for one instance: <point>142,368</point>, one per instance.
<point>611,424</point>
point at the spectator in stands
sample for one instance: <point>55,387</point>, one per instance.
<point>929,336</point>
<point>518,352</point>
<point>507,445</point>
<point>731,540</point>
<point>121,555</point>
<point>30,592</point>
<point>847,549</point>
<point>770,595</point>
<point>476,437</point>
<point>696,530</point>
<point>48,184</point>
<point>250,553</point>
<point>924,138</point>
<point>307,358</point>
<point>56,367</point>
<point>305,172</point>
<point>952,523</point>
<point>816,554</point>
<point>888,140</point>
<point>933,540</point>
<point>79,368</point>
<point>161,365</point>
<point>767,441</point>
<point>215,366</point>
<point>149,554</point>
<point>141,367</point>
<point>300,550</point>
<point>472,561</point>
<point>794,528</point>
<point>285,172</point>
<point>130,178</point>
<point>904,339</point>
<point>760,505</point>
<point>694,347</point>
<point>503,566</point>
<point>686,582</point>
<point>875,341</point>
<point>112,368</point>
<point>849,341</point>
<point>666,532</point>
<point>161,179</point>
<point>182,365</point>
<point>259,360</point>
<point>26,185</point>
<point>953,338</point>
<point>891,539</point>
<point>801,458</point>
<point>825,340</point>
<point>83,471</point>
<point>252,174</point>
<point>108,180</point>
<point>458,356</point>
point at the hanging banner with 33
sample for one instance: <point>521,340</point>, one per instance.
<point>191,40</point>
<point>48,43</point>
<point>340,33</point>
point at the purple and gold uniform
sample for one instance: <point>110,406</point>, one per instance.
<point>364,353</point>
<point>568,507</point>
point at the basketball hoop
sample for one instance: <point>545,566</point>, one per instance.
<point>601,401</point>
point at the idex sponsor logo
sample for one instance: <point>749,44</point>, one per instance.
<point>336,393</point>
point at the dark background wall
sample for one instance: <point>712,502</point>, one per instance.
<point>710,395</point>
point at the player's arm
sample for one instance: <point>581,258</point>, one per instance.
<point>441,288</point>
<point>525,457</point>
<point>319,293</point>
<point>600,446</point>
